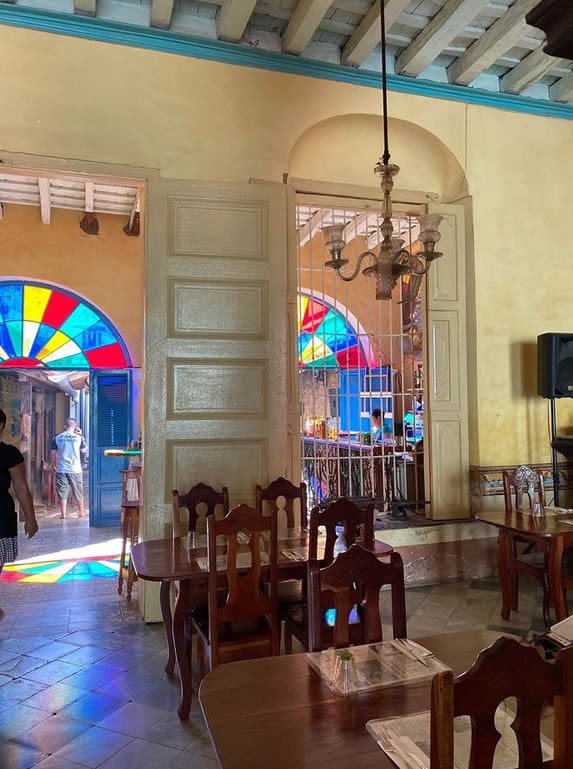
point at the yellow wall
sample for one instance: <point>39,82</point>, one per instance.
<point>106,269</point>
<point>208,121</point>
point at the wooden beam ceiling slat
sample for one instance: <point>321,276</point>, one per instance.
<point>442,30</point>
<point>499,38</point>
<point>562,90</point>
<point>303,24</point>
<point>528,71</point>
<point>233,19</point>
<point>161,12</point>
<point>45,203</point>
<point>85,7</point>
<point>367,36</point>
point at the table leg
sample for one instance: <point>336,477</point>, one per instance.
<point>555,556</point>
<point>503,543</point>
<point>165,603</point>
<point>183,662</point>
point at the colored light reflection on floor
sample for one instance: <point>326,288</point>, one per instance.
<point>50,572</point>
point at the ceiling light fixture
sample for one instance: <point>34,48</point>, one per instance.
<point>392,260</point>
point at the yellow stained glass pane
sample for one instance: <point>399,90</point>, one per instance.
<point>314,350</point>
<point>35,301</point>
<point>302,305</point>
<point>70,348</point>
<point>58,340</point>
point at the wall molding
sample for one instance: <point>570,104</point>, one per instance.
<point>230,53</point>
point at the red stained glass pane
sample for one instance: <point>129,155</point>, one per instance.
<point>58,308</point>
<point>110,356</point>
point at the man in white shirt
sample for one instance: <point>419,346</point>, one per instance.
<point>67,448</point>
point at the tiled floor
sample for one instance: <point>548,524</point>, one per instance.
<point>81,676</point>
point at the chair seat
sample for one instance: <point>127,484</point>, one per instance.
<point>254,635</point>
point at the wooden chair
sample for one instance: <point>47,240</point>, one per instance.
<point>245,624</point>
<point>354,579</point>
<point>523,486</point>
<point>357,523</point>
<point>130,504</point>
<point>508,668</point>
<point>280,496</point>
<point>200,494</point>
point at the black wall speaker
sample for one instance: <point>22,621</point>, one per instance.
<point>555,365</point>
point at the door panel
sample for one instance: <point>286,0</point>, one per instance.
<point>110,428</point>
<point>448,390</point>
<point>215,342</point>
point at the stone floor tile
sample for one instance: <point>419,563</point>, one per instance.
<point>140,754</point>
<point>94,676</point>
<point>94,747</point>
<point>14,755</point>
<point>86,655</point>
<point>52,672</point>
<point>93,707</point>
<point>51,734</point>
<point>19,690</point>
<point>54,650</point>
<point>133,719</point>
<point>54,698</point>
<point>21,666</point>
<point>175,733</point>
<point>19,718</point>
<point>55,762</point>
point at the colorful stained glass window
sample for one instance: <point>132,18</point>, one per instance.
<point>42,326</point>
<point>327,340</point>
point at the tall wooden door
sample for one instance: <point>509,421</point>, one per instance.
<point>215,342</point>
<point>447,352</point>
<point>110,428</point>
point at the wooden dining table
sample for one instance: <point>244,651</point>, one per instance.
<point>553,529</point>
<point>278,712</point>
<point>170,560</point>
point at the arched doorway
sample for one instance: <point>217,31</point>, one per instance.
<point>60,356</point>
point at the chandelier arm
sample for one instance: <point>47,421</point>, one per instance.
<point>417,266</point>
<point>363,255</point>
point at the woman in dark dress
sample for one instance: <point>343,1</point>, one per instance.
<point>13,473</point>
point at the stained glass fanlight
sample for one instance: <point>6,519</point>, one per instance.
<point>327,340</point>
<point>42,326</point>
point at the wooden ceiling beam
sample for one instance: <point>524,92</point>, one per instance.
<point>442,29</point>
<point>233,19</point>
<point>45,201</point>
<point>367,36</point>
<point>562,90</point>
<point>89,204</point>
<point>527,72</point>
<point>85,7</point>
<point>497,40</point>
<point>303,24</point>
<point>161,12</point>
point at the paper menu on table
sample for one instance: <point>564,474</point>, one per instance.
<point>415,729</point>
<point>563,631</point>
<point>374,666</point>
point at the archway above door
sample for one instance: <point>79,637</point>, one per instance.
<point>46,326</point>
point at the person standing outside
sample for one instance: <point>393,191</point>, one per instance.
<point>13,473</point>
<point>67,448</point>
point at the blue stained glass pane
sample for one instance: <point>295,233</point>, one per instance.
<point>5,341</point>
<point>15,331</point>
<point>97,335</point>
<point>44,333</point>
<point>77,361</point>
<point>79,320</point>
<point>12,302</point>
<point>303,340</point>
<point>337,343</point>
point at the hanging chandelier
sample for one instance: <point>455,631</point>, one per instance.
<point>392,261</point>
